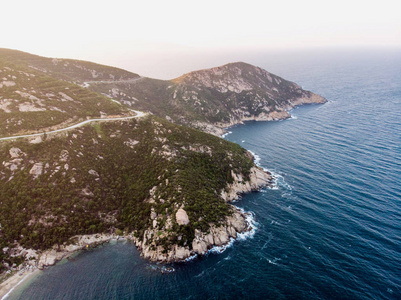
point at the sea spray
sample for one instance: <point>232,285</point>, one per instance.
<point>227,133</point>
<point>249,233</point>
<point>277,179</point>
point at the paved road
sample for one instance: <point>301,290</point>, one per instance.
<point>139,114</point>
<point>88,83</point>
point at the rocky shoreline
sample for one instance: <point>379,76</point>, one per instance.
<point>217,235</point>
<point>219,129</point>
<point>203,242</point>
<point>37,260</point>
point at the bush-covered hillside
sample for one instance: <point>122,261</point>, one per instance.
<point>218,97</point>
<point>209,99</point>
<point>72,70</point>
<point>113,175</point>
<point>32,101</point>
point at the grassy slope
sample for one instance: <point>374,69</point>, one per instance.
<point>129,159</point>
<point>67,69</point>
<point>31,100</point>
<point>211,96</point>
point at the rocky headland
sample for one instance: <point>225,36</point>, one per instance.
<point>166,187</point>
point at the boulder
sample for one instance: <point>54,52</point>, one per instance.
<point>182,217</point>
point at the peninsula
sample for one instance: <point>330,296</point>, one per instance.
<point>69,180</point>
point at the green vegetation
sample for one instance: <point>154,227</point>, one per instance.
<point>111,176</point>
<point>66,69</point>
<point>31,101</point>
<point>220,96</point>
<point>225,94</point>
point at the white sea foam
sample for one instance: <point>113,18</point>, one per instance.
<point>274,261</point>
<point>221,249</point>
<point>227,133</point>
<point>192,257</point>
<point>257,158</point>
<point>250,220</point>
<point>278,180</point>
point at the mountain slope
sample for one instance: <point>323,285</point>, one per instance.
<point>166,183</point>
<point>72,70</point>
<point>209,100</point>
<point>215,98</point>
<point>33,100</point>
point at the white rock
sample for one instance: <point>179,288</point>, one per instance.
<point>94,173</point>
<point>36,170</point>
<point>182,217</point>
<point>16,152</point>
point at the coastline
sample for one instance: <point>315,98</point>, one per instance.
<point>50,257</point>
<point>215,242</point>
<point>220,129</point>
<point>239,226</point>
<point>9,284</point>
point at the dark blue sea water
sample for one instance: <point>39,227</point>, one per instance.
<point>331,229</point>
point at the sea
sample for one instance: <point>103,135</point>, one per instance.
<point>330,228</point>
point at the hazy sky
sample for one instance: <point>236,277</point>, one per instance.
<point>148,32</point>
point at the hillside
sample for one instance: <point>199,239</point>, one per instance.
<point>72,70</point>
<point>168,185</point>
<point>215,98</point>
<point>32,101</point>
<point>209,100</point>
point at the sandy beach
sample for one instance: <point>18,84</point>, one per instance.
<point>7,286</point>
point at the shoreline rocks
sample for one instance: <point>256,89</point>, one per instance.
<point>282,113</point>
<point>216,235</point>
<point>203,241</point>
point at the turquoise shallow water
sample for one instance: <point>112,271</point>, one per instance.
<point>332,228</point>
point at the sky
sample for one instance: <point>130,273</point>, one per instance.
<point>149,37</point>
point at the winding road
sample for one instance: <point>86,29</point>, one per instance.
<point>139,114</point>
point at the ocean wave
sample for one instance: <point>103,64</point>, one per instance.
<point>192,257</point>
<point>250,220</point>
<point>257,158</point>
<point>227,133</point>
<point>278,180</point>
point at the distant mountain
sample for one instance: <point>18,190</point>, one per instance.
<point>71,70</point>
<point>215,98</point>
<point>210,99</point>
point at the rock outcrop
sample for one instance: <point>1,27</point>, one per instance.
<point>182,217</point>
<point>201,244</point>
<point>258,180</point>
<point>217,235</point>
